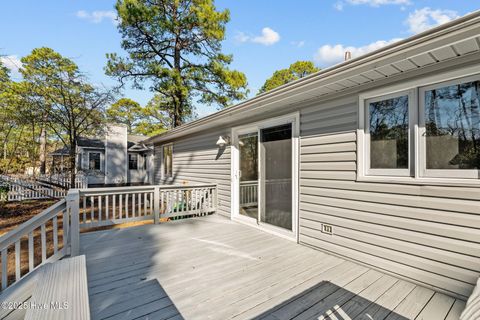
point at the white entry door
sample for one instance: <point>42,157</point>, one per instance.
<point>264,175</point>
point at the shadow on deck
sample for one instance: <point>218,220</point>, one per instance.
<point>213,268</point>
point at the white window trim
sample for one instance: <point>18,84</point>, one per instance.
<point>164,176</point>
<point>440,173</point>
<point>365,132</point>
<point>417,178</point>
<point>293,118</point>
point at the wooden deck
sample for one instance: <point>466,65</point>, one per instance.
<point>213,268</point>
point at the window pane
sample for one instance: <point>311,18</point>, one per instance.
<point>94,161</point>
<point>389,133</point>
<point>452,125</point>
<point>132,161</point>
<point>167,161</point>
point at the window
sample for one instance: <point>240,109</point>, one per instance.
<point>145,159</point>
<point>450,129</point>
<point>94,161</point>
<point>436,135</point>
<point>167,160</point>
<point>132,161</point>
<point>387,128</point>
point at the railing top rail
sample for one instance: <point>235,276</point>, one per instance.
<point>30,225</point>
<point>133,189</point>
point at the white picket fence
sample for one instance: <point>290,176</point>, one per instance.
<point>55,232</point>
<point>62,180</point>
<point>28,189</point>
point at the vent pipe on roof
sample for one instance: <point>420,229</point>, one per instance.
<point>348,55</point>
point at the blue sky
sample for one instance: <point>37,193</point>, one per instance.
<point>263,35</point>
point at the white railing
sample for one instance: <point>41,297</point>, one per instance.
<point>55,232</point>
<point>26,189</point>
<point>63,181</point>
<point>108,206</point>
<point>42,239</point>
<point>248,193</point>
<point>98,207</point>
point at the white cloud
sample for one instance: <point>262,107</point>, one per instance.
<point>13,63</point>
<point>331,54</point>
<point>338,5</point>
<point>98,16</point>
<point>372,3</point>
<point>298,44</point>
<point>267,38</point>
<point>426,18</point>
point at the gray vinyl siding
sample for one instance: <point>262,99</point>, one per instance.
<point>430,234</point>
<point>197,159</point>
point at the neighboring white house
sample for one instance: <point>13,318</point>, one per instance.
<point>118,158</point>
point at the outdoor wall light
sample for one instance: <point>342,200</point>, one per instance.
<point>223,141</point>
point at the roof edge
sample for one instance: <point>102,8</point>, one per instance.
<point>464,21</point>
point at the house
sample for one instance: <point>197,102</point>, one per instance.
<point>117,158</point>
<point>352,193</point>
<point>376,159</point>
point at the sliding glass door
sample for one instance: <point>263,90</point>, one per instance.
<point>264,175</point>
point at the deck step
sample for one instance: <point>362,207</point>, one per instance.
<point>61,292</point>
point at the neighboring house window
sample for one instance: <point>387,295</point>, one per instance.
<point>145,159</point>
<point>94,160</point>
<point>434,136</point>
<point>168,160</point>
<point>132,161</point>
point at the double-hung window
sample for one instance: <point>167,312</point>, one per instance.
<point>168,161</point>
<point>94,160</point>
<point>133,161</point>
<point>424,133</point>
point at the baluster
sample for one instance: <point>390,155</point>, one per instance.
<point>120,207</point>
<point>106,206</point>
<point>17,260</point>
<point>162,207</point>
<point>126,205</point>
<point>187,200</point>
<point>99,208</point>
<point>113,206</point>
<point>92,205</point>
<point>145,213</point>
<point>55,234</point>
<point>133,205</point>
<point>4,268</point>
<point>84,209</point>
<point>43,234</point>
<point>31,262</point>
<point>139,204</point>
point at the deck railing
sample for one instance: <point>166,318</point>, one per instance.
<point>249,193</point>
<point>55,232</point>
<point>42,239</point>
<point>99,207</point>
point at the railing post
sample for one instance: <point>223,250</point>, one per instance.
<point>156,204</point>
<point>73,208</point>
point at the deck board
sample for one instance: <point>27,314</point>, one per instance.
<point>213,268</point>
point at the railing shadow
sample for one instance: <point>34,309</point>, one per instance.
<point>325,301</point>
<point>135,301</point>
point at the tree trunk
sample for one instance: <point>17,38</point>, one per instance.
<point>73,172</point>
<point>43,150</point>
